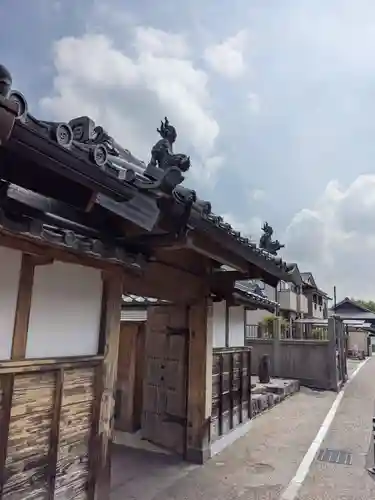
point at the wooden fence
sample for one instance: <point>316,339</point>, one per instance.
<point>49,418</point>
<point>231,389</point>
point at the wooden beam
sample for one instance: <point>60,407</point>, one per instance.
<point>214,252</point>
<point>21,321</point>
<point>199,384</point>
<point>164,282</point>
<point>217,253</point>
<point>55,434</point>
<point>110,334</point>
<point>222,282</point>
<point>42,260</point>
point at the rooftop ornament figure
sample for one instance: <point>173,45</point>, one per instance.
<point>162,155</point>
<point>266,241</point>
<point>5,81</point>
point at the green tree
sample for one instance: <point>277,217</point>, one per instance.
<point>368,304</point>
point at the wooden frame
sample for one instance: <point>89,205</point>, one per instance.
<point>109,345</point>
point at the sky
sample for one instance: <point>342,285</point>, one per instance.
<point>273,100</point>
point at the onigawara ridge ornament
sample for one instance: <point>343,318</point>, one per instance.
<point>266,242</point>
<point>162,155</point>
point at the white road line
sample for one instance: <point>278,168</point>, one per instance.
<point>291,491</point>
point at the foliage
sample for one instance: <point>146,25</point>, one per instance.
<point>267,321</point>
<point>319,333</point>
<point>368,304</point>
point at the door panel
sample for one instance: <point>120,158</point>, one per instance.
<point>164,394</point>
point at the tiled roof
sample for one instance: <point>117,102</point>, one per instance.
<point>86,153</point>
<point>257,298</point>
<point>136,300</point>
<point>250,250</point>
<point>58,232</point>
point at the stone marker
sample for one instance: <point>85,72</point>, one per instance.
<point>264,369</point>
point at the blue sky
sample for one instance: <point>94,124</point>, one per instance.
<point>274,101</point>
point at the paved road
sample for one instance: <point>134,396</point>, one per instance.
<point>256,467</point>
<point>351,430</point>
<point>261,465</point>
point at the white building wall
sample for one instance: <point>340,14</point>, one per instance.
<point>255,317</point>
<point>236,326</point>
<point>218,324</point>
<point>65,311</point>
<point>270,291</point>
<point>10,266</point>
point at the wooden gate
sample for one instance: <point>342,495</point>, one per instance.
<point>165,382</point>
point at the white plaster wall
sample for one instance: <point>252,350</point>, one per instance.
<point>65,311</point>
<point>254,317</point>
<point>270,291</point>
<point>236,326</point>
<point>218,323</point>
<point>10,266</point>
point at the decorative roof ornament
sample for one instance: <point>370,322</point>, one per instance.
<point>266,242</point>
<point>5,81</point>
<point>162,155</point>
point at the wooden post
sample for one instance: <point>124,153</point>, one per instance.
<point>108,345</point>
<point>199,384</point>
<point>332,356</point>
<point>55,433</point>
<point>21,321</point>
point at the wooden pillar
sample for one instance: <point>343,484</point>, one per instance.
<point>21,321</point>
<point>108,346</point>
<point>199,401</point>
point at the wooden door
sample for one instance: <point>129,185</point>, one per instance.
<point>165,381</point>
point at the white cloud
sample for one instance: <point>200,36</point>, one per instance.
<point>251,227</point>
<point>335,239</point>
<point>254,104</point>
<point>257,194</point>
<point>206,173</point>
<point>160,43</point>
<point>129,93</point>
<point>227,57</point>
